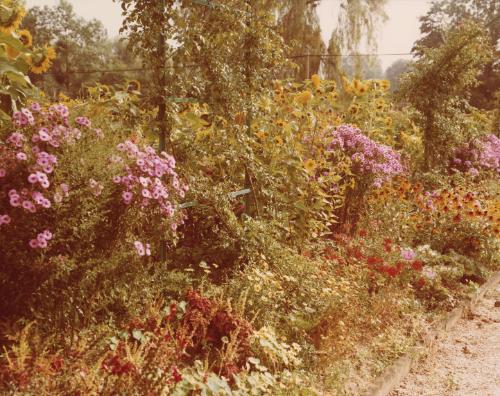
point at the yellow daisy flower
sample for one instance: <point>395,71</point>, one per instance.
<point>278,140</point>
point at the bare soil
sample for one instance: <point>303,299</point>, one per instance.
<point>464,361</point>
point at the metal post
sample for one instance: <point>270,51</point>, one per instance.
<point>308,75</point>
<point>162,110</point>
<point>248,184</point>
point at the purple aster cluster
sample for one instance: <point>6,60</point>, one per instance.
<point>28,158</point>
<point>478,154</point>
<point>149,179</point>
<point>369,159</point>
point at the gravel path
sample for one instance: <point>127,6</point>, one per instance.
<point>465,361</point>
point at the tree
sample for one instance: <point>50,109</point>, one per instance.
<point>394,72</point>
<point>358,21</point>
<point>364,68</point>
<point>446,13</point>
<point>300,29</point>
<point>77,42</point>
<point>437,86</point>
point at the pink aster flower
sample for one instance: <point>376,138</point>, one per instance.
<point>21,156</point>
<point>5,219</point>
<point>408,254</point>
<point>140,248</point>
<point>3,172</point>
<point>33,243</point>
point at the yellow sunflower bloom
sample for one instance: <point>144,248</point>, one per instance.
<point>133,85</point>
<point>304,97</point>
<point>14,19</point>
<point>43,60</point>
<point>380,104</point>
<point>316,80</point>
<point>309,165</point>
<point>385,84</point>
<point>26,38</point>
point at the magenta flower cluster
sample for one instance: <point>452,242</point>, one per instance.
<point>150,180</point>
<point>478,154</point>
<point>369,159</point>
<point>28,158</point>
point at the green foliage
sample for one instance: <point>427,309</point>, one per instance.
<point>437,86</point>
<point>77,42</point>
<point>444,14</point>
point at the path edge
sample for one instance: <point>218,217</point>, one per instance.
<point>393,375</point>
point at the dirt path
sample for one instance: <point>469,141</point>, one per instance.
<point>464,362</point>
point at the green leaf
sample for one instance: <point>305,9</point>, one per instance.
<point>12,42</point>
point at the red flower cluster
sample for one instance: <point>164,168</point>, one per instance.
<point>115,365</point>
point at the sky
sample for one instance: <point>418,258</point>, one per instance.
<point>397,35</point>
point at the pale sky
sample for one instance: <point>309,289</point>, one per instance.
<point>396,36</point>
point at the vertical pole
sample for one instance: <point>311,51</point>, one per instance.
<point>248,184</point>
<point>308,72</point>
<point>162,108</point>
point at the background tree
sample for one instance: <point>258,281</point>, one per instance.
<point>394,72</point>
<point>300,29</point>
<point>438,84</point>
<point>365,67</point>
<point>77,42</point>
<point>446,13</point>
<point>357,25</point>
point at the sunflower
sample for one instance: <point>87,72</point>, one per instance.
<point>362,89</point>
<point>316,80</point>
<point>309,165</point>
<point>104,90</point>
<point>25,37</point>
<point>304,97</point>
<point>385,85</point>
<point>133,85</point>
<point>13,21</point>
<point>43,60</point>
<point>380,104</point>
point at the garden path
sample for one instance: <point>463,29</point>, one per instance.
<point>465,361</point>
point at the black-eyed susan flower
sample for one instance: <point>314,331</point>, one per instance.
<point>261,135</point>
<point>354,108</point>
<point>334,96</point>
<point>278,140</point>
